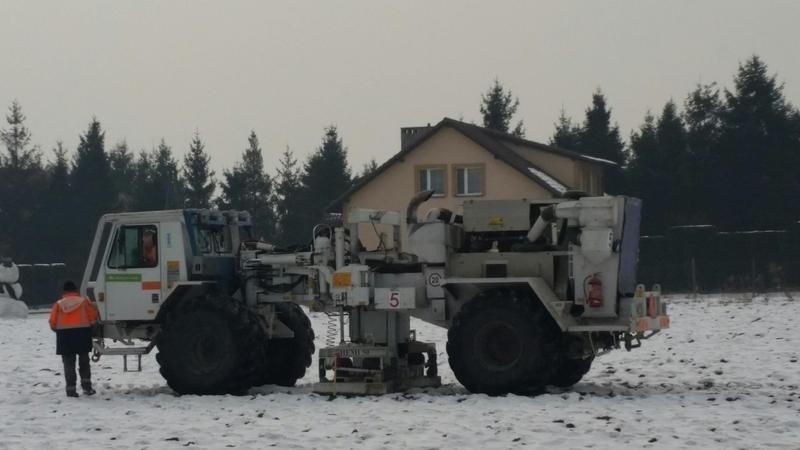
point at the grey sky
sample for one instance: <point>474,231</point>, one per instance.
<point>152,69</point>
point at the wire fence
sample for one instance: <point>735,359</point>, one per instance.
<point>703,259</point>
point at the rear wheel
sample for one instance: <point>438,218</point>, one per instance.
<point>570,371</point>
<point>211,345</point>
<point>501,343</point>
<point>288,358</point>
<point>571,366</point>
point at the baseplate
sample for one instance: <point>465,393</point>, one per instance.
<point>374,388</point>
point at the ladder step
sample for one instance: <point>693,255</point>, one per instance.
<point>138,363</point>
<point>125,351</point>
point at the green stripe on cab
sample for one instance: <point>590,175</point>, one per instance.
<point>124,277</point>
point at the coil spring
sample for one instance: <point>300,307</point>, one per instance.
<point>332,330</point>
<point>333,334</point>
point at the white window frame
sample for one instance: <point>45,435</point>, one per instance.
<point>425,172</point>
<point>466,168</point>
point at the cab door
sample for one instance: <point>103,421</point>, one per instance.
<point>133,273</point>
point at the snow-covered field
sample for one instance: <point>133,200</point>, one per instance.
<point>725,376</point>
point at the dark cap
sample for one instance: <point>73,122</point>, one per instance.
<point>69,286</point>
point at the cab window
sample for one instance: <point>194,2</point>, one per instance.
<point>213,240</point>
<point>134,246</point>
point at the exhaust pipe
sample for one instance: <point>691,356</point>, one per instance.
<point>546,215</point>
<point>420,198</point>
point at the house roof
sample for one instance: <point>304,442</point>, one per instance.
<point>496,142</point>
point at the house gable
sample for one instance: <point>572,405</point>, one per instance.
<point>444,147</point>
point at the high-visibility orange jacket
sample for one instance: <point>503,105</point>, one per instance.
<point>72,311</point>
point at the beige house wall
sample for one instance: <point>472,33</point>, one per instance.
<point>393,188</point>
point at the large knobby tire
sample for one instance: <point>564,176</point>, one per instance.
<point>502,343</point>
<point>570,371</point>
<point>570,367</point>
<point>288,358</point>
<point>211,345</point>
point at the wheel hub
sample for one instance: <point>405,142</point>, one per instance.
<point>498,345</point>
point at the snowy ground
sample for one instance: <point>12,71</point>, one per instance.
<point>725,376</point>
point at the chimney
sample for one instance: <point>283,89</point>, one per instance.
<point>410,135</point>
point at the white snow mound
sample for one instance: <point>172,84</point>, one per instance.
<point>13,309</point>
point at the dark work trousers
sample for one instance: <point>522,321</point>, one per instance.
<point>84,369</point>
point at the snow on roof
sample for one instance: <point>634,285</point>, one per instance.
<point>552,182</point>
<point>594,158</point>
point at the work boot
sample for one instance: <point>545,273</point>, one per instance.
<point>87,387</point>
<point>72,392</point>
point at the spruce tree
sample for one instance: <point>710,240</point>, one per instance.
<point>93,195</point>
<point>598,136</point>
<point>248,187</point>
<point>644,174</point>
<point>17,139</point>
<point>703,117</point>
<point>56,202</point>
<point>145,190</point>
<point>498,107</point>
<point>92,185</point>
<point>366,170</point>
<point>326,174</point>
<point>200,184</point>
<point>22,182</point>
<point>288,193</point>
<point>166,178</point>
<point>659,170</point>
<point>123,174</point>
<point>601,139</point>
<point>567,134</point>
<point>759,145</point>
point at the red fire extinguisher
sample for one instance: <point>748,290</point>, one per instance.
<point>595,297</point>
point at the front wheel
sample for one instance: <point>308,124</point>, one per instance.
<point>211,345</point>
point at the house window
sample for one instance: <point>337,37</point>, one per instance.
<point>469,180</point>
<point>431,178</point>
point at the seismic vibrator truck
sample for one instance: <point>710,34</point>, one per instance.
<point>531,291</point>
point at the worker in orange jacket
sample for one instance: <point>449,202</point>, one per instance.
<point>71,317</point>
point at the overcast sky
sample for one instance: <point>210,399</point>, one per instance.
<point>153,69</point>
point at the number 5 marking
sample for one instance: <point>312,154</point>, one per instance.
<point>394,299</point>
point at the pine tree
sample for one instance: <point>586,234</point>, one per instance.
<point>93,188</point>
<point>56,202</point>
<point>567,134</point>
<point>200,184</point>
<point>643,173</point>
<point>92,195</point>
<point>22,182</point>
<point>601,139</point>
<point>123,173</point>
<point>248,187</point>
<point>327,174</point>
<point>145,190</point>
<point>759,140</point>
<point>703,118</point>
<point>166,177</point>
<point>659,170</point>
<point>288,192</point>
<point>366,170</point>
<point>498,108</point>
<point>17,139</point>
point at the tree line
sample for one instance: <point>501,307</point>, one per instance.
<point>728,157</point>
<point>49,209</point>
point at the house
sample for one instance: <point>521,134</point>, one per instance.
<point>461,161</point>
